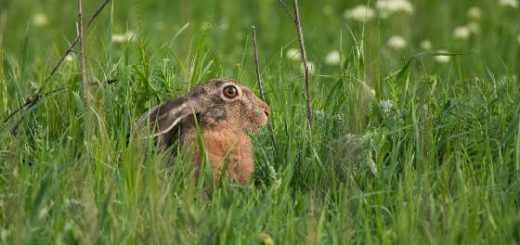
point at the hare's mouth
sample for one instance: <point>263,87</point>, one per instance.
<point>264,118</point>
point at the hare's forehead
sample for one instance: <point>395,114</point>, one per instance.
<point>246,91</point>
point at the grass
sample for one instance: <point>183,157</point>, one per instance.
<point>440,166</point>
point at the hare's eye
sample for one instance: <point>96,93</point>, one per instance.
<point>230,91</point>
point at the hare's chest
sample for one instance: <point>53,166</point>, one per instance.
<point>228,151</point>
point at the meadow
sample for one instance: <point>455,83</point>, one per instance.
<point>415,136</point>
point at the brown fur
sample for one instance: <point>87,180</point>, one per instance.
<point>224,126</point>
<point>225,148</point>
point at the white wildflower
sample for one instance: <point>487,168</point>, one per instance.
<point>310,66</point>
<point>69,57</point>
<point>462,32</point>
<point>389,7</point>
<point>206,25</point>
<point>333,58</point>
<point>396,42</point>
<point>426,44</point>
<point>474,13</point>
<point>508,3</point>
<point>293,54</point>
<point>442,58</point>
<point>159,25</point>
<point>360,13</point>
<point>328,10</point>
<point>385,106</point>
<point>40,19</point>
<point>125,37</point>
<point>223,26</point>
<point>474,27</point>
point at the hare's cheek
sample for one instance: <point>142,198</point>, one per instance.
<point>253,127</point>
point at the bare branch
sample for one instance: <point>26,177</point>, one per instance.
<point>259,80</point>
<point>304,60</point>
<point>32,103</point>
<point>84,92</point>
<point>286,9</point>
<point>33,99</point>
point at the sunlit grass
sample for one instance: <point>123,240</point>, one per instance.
<point>407,146</point>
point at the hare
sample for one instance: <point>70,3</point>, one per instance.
<point>225,112</point>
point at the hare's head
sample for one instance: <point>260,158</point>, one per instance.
<point>225,103</point>
<point>215,103</point>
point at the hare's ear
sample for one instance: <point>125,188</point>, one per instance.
<point>163,118</point>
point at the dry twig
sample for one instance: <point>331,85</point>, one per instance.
<point>17,124</point>
<point>286,9</point>
<point>84,92</point>
<point>35,98</point>
<point>259,80</point>
<point>296,19</point>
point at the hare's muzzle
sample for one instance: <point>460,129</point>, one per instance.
<point>265,108</point>
<point>266,111</point>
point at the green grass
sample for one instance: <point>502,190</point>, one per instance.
<point>441,166</point>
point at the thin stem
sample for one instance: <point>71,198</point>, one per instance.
<point>84,91</point>
<point>304,60</point>
<point>259,80</point>
<point>286,9</point>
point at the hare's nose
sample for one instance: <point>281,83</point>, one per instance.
<point>267,110</point>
